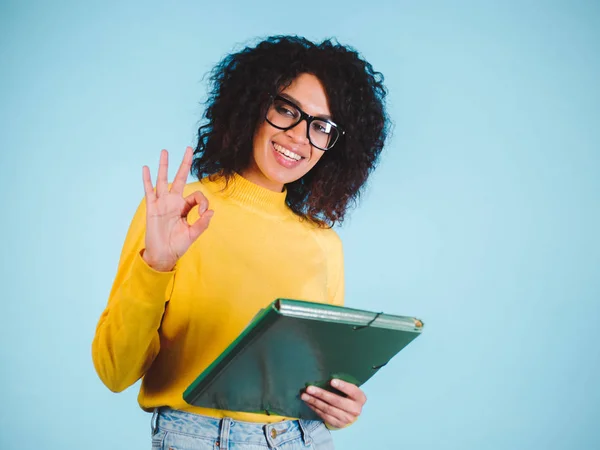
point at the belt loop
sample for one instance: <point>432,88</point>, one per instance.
<point>304,431</point>
<point>224,436</point>
<point>154,421</point>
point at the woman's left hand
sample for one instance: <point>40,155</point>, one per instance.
<point>335,410</point>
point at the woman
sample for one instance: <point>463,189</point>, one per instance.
<point>292,131</point>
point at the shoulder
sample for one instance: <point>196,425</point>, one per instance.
<point>210,189</point>
<point>202,186</point>
<point>331,236</point>
<point>328,238</point>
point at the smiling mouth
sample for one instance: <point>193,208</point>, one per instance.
<point>288,154</point>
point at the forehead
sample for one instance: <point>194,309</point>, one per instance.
<point>308,93</point>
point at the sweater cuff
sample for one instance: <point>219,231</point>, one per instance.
<point>332,428</point>
<point>150,285</point>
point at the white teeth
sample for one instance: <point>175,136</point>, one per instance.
<point>286,152</point>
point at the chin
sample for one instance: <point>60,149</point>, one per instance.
<point>278,174</point>
<point>283,178</point>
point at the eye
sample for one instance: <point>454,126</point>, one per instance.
<point>321,127</point>
<point>285,110</point>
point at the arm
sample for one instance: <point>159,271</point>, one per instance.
<point>335,284</point>
<point>336,411</point>
<point>126,340</point>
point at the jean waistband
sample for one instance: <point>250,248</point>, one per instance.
<point>228,430</point>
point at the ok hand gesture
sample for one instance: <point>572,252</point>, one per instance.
<point>168,233</point>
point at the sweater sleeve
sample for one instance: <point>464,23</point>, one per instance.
<point>126,340</point>
<point>335,283</point>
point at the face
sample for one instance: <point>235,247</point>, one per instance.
<point>280,157</point>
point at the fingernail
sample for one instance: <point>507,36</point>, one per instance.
<point>311,390</point>
<point>335,383</point>
<point>304,397</point>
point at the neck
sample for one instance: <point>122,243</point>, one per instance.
<point>245,192</point>
<point>253,174</point>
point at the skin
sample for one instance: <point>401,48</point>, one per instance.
<point>169,235</point>
<point>335,410</point>
<point>308,93</point>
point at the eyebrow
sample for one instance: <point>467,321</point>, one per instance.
<point>297,103</point>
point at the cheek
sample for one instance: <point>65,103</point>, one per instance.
<point>258,138</point>
<point>262,140</point>
<point>258,145</point>
<point>263,131</point>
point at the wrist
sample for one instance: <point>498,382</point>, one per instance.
<point>157,264</point>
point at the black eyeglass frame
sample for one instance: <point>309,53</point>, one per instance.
<point>309,119</point>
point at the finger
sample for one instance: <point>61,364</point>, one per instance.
<point>333,421</point>
<point>351,390</point>
<point>329,419</point>
<point>182,173</point>
<point>200,225</point>
<point>162,183</point>
<point>148,188</point>
<point>195,198</point>
<point>330,410</point>
<point>346,404</point>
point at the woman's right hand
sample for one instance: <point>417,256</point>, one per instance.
<point>168,233</point>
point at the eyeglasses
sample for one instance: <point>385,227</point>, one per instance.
<point>285,115</point>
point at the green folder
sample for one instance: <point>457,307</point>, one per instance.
<point>293,344</point>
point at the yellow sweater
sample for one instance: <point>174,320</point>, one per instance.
<point>167,327</point>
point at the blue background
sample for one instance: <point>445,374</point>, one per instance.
<point>482,218</point>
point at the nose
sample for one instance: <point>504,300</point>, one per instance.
<point>299,132</point>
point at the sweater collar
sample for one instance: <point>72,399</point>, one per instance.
<point>245,192</point>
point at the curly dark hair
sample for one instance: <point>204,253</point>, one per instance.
<point>241,88</point>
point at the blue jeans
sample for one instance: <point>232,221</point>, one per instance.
<point>178,430</point>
